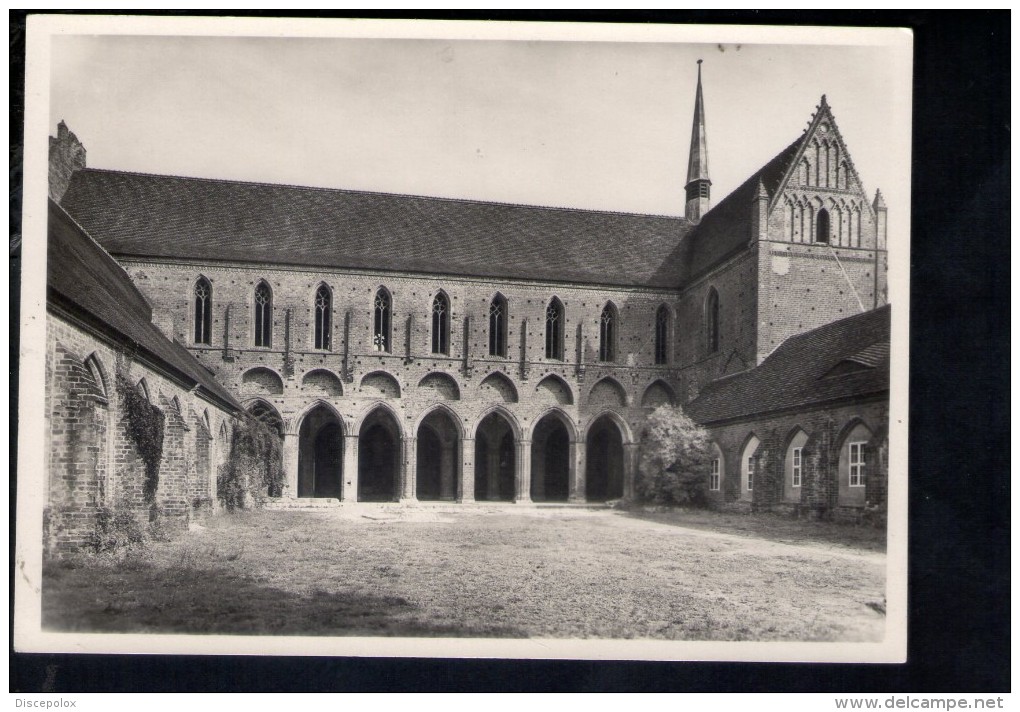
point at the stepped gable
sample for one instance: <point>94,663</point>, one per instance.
<point>85,280</point>
<point>170,217</point>
<point>726,229</point>
<point>848,358</point>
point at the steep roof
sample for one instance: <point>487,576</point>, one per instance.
<point>726,228</point>
<point>848,358</point>
<point>171,217</point>
<point>83,278</point>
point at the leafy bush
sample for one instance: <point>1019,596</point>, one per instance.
<point>115,529</point>
<point>145,426</point>
<point>675,459</point>
<point>254,467</point>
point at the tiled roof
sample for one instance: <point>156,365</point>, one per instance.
<point>171,217</point>
<point>726,228</point>
<point>83,277</point>
<point>800,372</point>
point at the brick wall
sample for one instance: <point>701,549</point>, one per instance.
<point>824,488</point>
<point>92,462</point>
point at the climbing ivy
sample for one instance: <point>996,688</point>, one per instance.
<point>145,426</point>
<point>254,468</point>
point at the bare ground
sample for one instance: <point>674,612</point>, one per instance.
<point>482,572</point>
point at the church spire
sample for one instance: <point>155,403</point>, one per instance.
<point>698,183</point>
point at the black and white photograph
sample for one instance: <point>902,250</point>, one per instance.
<point>456,339</point>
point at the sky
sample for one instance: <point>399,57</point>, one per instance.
<point>587,124</point>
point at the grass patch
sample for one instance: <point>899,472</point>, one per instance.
<point>476,574</point>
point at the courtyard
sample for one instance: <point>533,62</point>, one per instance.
<point>487,571</point>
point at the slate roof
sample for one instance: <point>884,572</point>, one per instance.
<point>800,372</point>
<point>171,217</point>
<point>83,278</point>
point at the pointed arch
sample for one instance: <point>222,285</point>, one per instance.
<point>261,381</point>
<point>446,410</point>
<point>315,404</point>
<point>841,180</point>
<point>382,317</point>
<point>441,323</point>
<point>712,321</point>
<point>498,320</point>
<point>502,412</point>
<point>555,389</point>
<point>793,463</point>
<point>442,386</point>
<point>608,414</point>
<point>206,422</point>
<point>608,330</point>
<point>663,330</point>
<point>557,414</point>
<point>373,410</point>
<point>496,386</point>
<point>823,227</point>
<point>266,412</point>
<point>788,215</point>
<point>837,223</point>
<point>748,465</point>
<point>855,230</point>
<point>143,389</point>
<point>95,367</point>
<point>658,393</point>
<point>202,295</point>
<point>322,382</point>
<point>380,384</point>
<point>554,329</point>
<point>608,392</point>
<point>262,315</point>
<point>322,314</point>
<point>717,467</point>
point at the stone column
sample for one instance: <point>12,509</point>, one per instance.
<point>538,469</point>
<point>290,465</point>
<point>522,478</point>
<point>447,474</point>
<point>409,470</point>
<point>349,486</point>
<point>467,470</point>
<point>576,475</point>
<point>630,466</point>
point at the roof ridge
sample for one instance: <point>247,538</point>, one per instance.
<point>323,189</point>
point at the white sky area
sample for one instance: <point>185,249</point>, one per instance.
<point>599,125</point>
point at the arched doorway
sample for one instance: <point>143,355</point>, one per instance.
<point>262,411</point>
<point>550,461</point>
<point>604,458</point>
<point>437,457</point>
<point>379,458</point>
<point>320,454</point>
<point>494,459</point>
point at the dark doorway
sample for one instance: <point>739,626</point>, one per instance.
<point>550,461</point>
<point>378,459</point>
<point>430,451</point>
<point>437,457</point>
<point>320,454</point>
<point>494,460</point>
<point>604,471</point>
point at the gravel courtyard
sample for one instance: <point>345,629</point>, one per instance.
<point>485,571</point>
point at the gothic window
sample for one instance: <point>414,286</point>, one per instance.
<point>203,311</point>
<point>797,466</point>
<point>822,226</point>
<point>662,320</point>
<point>712,321</point>
<point>263,315</point>
<point>497,325</point>
<point>714,478</point>
<point>441,324</point>
<point>607,333</point>
<point>554,330</point>
<point>381,322</point>
<point>323,318</point>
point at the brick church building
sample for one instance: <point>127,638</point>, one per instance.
<point>416,348</point>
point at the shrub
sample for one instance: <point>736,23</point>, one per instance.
<point>115,529</point>
<point>145,427</point>
<point>675,459</point>
<point>254,467</point>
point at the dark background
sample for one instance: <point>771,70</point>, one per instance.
<point>959,624</point>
